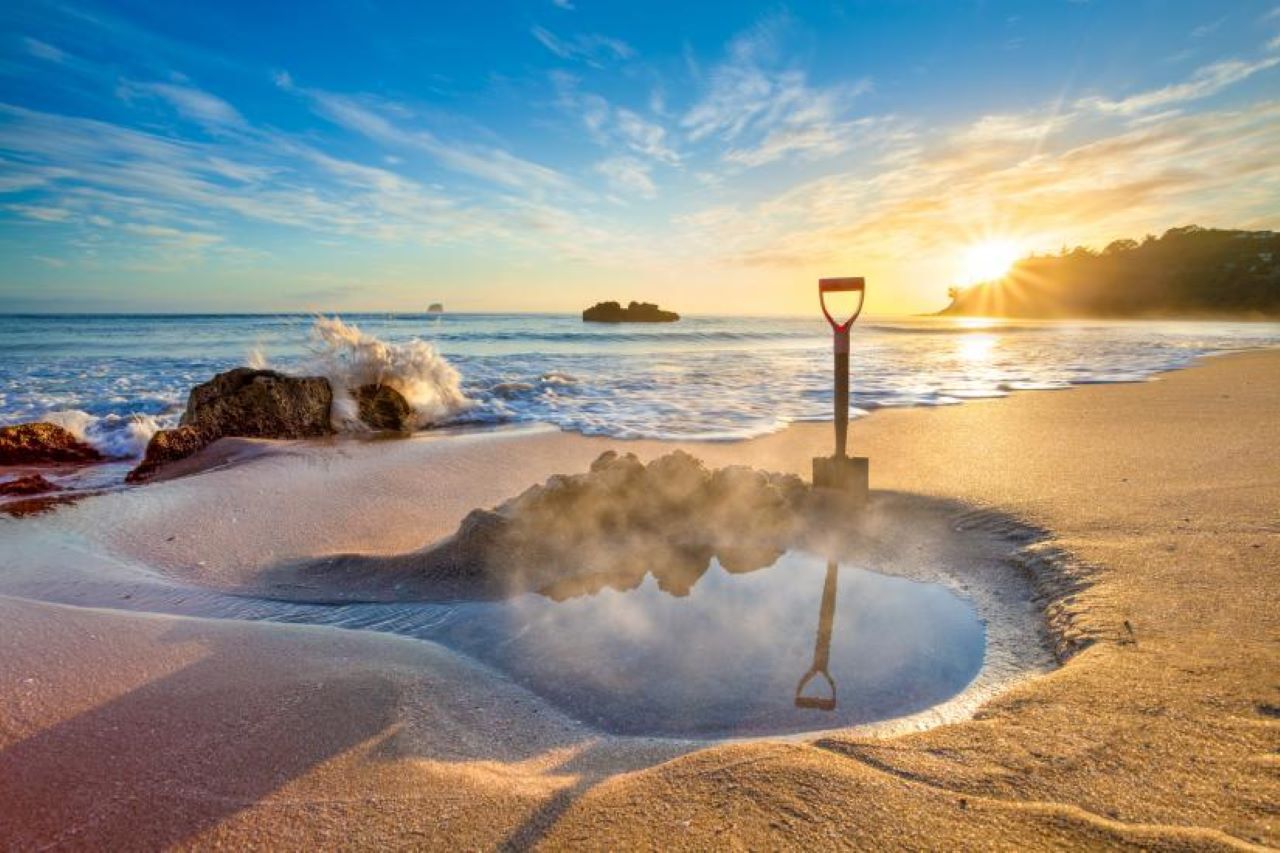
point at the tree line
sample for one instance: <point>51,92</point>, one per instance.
<point>1186,272</point>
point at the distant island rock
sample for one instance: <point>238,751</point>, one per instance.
<point>435,308</point>
<point>635,312</point>
<point>1188,272</point>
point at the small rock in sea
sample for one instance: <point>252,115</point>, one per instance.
<point>43,443</point>
<point>33,485</point>
<point>384,408</point>
<point>635,312</point>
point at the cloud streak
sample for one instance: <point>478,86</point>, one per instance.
<point>370,118</point>
<point>1206,81</point>
<point>766,113</point>
<point>191,103</point>
<point>591,48</point>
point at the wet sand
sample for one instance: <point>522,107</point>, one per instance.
<point>1157,501</point>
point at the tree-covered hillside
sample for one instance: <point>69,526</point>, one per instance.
<point>1187,272</point>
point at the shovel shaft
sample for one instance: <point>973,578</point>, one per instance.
<point>842,391</point>
<point>826,620</point>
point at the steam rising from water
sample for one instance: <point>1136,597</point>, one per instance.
<point>350,358</point>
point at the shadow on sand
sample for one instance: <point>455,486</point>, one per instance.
<point>157,766</point>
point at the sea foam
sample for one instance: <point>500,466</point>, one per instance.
<point>116,436</point>
<point>351,358</point>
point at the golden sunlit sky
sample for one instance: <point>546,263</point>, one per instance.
<point>545,155</point>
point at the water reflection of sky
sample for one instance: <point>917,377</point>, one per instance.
<point>726,659</point>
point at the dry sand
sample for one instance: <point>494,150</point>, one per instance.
<point>1160,502</point>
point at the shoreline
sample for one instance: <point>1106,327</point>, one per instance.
<point>1166,535</point>
<point>989,359</point>
<point>96,478</point>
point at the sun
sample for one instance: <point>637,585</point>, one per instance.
<point>988,260</point>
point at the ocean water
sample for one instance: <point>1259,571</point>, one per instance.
<point>115,379</point>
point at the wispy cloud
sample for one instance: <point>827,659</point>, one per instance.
<point>610,125</point>
<point>370,118</point>
<point>43,50</point>
<point>189,239</point>
<point>592,48</point>
<point>628,176</point>
<point>191,103</point>
<point>1206,81</point>
<point>42,213</point>
<point>766,112</point>
<point>104,172</point>
<point>644,137</point>
<point>1015,127</point>
<point>1208,28</point>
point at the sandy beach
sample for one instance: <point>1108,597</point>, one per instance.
<point>1158,537</point>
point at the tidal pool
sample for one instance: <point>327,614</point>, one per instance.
<point>728,658</point>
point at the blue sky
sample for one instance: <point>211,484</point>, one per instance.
<point>541,155</point>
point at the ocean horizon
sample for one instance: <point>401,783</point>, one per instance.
<point>116,378</point>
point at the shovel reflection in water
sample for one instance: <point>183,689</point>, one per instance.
<point>822,648</point>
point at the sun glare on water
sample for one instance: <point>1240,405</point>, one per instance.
<point>988,260</point>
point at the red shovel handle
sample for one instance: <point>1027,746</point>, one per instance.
<point>841,285</point>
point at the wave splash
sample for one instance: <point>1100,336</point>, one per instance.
<point>350,358</point>
<point>115,436</point>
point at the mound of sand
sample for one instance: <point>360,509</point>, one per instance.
<point>578,533</point>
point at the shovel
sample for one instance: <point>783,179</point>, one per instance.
<point>842,474</point>
<point>822,649</point>
<point>840,326</point>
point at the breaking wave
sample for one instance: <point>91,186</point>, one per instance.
<point>115,436</point>
<point>350,358</point>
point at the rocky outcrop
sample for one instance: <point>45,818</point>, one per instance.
<point>43,444</point>
<point>624,518</point>
<point>246,403</point>
<point>575,535</point>
<point>32,485</point>
<point>260,404</point>
<point>384,408</point>
<point>167,445</point>
<point>635,312</point>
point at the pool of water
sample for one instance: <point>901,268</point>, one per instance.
<point>728,658</point>
<point>723,658</point>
